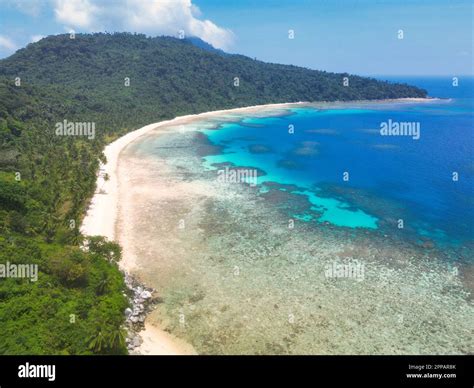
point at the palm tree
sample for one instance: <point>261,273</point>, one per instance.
<point>107,340</point>
<point>116,339</point>
<point>97,342</point>
<point>103,284</point>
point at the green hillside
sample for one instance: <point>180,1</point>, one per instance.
<point>76,306</point>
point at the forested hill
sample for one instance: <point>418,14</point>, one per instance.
<point>76,305</point>
<point>170,77</point>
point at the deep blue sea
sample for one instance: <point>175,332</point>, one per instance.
<point>334,153</point>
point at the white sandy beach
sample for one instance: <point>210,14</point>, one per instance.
<point>101,217</point>
<point>102,213</point>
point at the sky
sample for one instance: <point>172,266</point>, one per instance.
<point>366,37</point>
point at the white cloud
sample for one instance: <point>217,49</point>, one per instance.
<point>196,11</point>
<point>153,17</point>
<point>36,38</point>
<point>6,43</point>
<point>77,13</point>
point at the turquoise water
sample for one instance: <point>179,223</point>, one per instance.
<point>235,277</point>
<point>323,151</point>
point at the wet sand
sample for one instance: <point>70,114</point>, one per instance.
<point>235,279</point>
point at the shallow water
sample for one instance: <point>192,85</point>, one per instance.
<point>259,269</point>
<point>326,148</point>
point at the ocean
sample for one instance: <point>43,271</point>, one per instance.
<point>430,179</point>
<point>304,230</point>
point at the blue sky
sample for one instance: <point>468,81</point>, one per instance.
<point>357,36</point>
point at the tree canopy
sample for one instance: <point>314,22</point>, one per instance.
<point>77,304</point>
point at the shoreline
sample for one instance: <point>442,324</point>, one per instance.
<point>102,213</point>
<point>100,217</point>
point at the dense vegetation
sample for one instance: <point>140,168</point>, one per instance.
<point>76,306</point>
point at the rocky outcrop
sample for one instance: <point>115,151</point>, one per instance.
<point>142,301</point>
